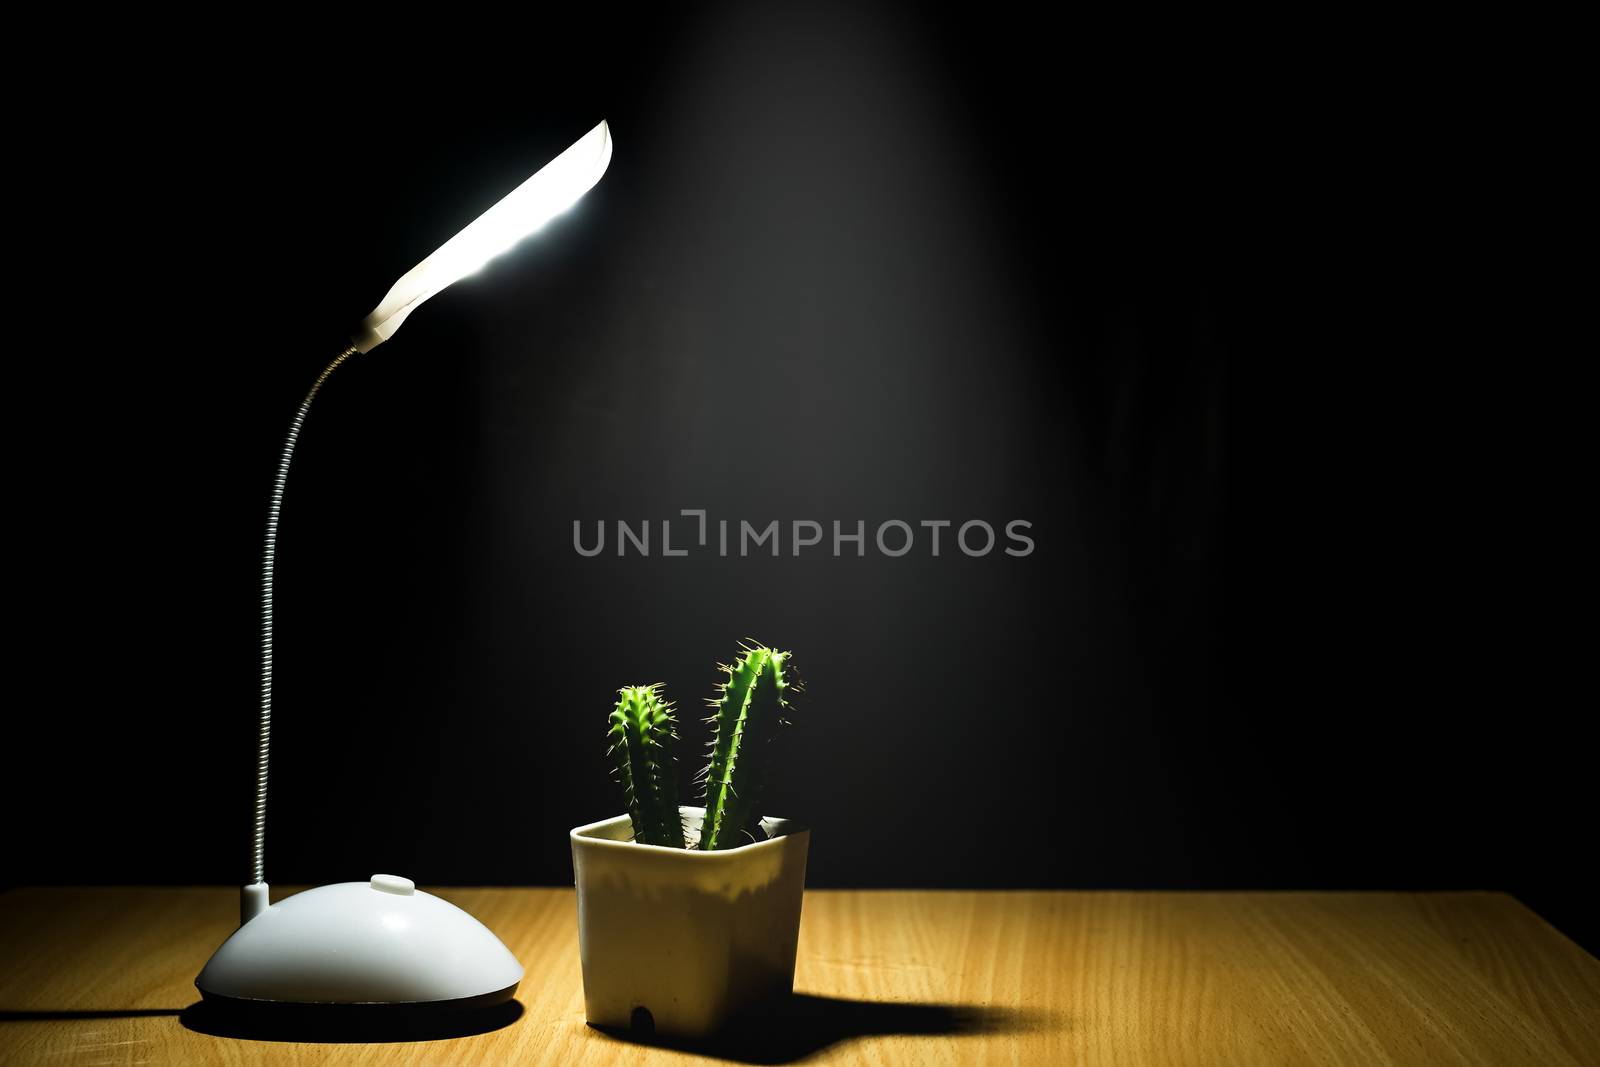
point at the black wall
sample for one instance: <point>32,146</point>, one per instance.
<point>848,264</point>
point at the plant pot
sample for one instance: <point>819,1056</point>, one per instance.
<point>678,941</point>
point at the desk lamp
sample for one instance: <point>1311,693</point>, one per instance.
<point>382,941</point>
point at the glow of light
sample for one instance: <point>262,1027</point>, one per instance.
<point>554,188</point>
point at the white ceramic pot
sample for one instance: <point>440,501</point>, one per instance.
<point>679,940</point>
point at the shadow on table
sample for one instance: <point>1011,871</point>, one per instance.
<point>803,1025</point>
<point>68,1016</point>
<point>343,1023</point>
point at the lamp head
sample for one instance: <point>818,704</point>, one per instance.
<point>553,189</point>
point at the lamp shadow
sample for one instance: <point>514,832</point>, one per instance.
<point>68,1016</point>
<point>345,1023</point>
<point>803,1025</point>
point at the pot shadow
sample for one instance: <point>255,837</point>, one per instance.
<point>803,1025</point>
<point>345,1023</point>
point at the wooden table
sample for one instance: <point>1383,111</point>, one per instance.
<point>105,976</point>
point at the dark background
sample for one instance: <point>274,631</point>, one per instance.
<point>1208,333</point>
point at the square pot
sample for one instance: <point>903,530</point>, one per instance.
<point>678,940</point>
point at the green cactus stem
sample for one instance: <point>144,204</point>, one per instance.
<point>748,711</point>
<point>642,731</point>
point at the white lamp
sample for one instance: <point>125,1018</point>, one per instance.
<point>382,941</point>
<point>556,187</point>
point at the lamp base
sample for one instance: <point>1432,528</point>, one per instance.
<point>361,1009</point>
<point>360,945</point>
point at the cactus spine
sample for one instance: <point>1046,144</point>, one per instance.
<point>642,731</point>
<point>746,716</point>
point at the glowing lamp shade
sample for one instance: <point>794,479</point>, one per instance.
<point>554,188</point>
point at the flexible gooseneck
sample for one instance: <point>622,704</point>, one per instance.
<point>253,899</point>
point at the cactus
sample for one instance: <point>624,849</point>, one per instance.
<point>642,731</point>
<point>747,713</point>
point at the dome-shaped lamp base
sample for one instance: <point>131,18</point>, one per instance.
<point>362,943</point>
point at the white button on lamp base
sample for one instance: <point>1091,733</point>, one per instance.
<point>362,943</point>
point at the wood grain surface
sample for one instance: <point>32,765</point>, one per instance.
<point>106,976</point>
